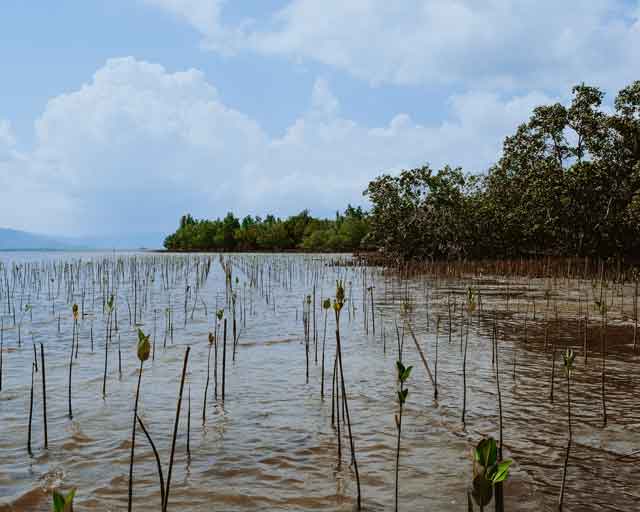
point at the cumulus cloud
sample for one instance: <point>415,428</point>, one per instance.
<point>494,44</point>
<point>7,139</point>
<point>137,146</point>
<point>26,200</point>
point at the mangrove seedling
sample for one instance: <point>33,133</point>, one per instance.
<point>62,503</point>
<point>76,334</point>
<point>73,337</point>
<point>110,305</point>
<point>487,471</point>
<point>403,376</point>
<point>568,360</point>
<point>143,352</point>
<point>307,325</point>
<point>326,305</point>
<point>206,386</point>
<point>338,304</point>
<point>471,306</point>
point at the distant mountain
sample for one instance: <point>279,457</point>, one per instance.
<point>121,241</point>
<point>14,240</point>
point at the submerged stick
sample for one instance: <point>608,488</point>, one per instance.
<point>30,413</point>
<point>175,429</point>
<point>347,417</point>
<point>224,357</point>
<point>424,359</point>
<point>133,438</point>
<point>155,454</point>
<point>189,423</point>
<point>566,457</point>
<point>206,386</point>
<point>499,499</point>
<point>44,397</point>
<point>1,351</point>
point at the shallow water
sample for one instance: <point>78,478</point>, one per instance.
<point>271,445</point>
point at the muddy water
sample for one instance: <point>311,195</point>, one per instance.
<point>271,446</point>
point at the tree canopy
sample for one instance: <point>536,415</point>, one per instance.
<point>298,232</point>
<point>567,183</point>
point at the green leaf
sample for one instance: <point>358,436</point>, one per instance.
<point>482,490</point>
<point>58,502</point>
<point>144,346</point>
<point>69,499</point>
<point>502,471</point>
<point>486,452</point>
<point>406,373</point>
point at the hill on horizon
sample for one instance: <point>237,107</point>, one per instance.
<point>16,240</point>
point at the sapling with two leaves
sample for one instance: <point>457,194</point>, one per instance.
<point>569,357</point>
<point>487,472</point>
<point>403,393</point>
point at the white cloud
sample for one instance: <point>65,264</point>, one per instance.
<point>7,140</point>
<point>26,200</point>
<point>488,43</point>
<point>138,146</point>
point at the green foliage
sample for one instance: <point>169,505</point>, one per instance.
<point>569,357</point>
<point>338,302</point>
<point>568,183</point>
<point>144,346</point>
<point>62,503</point>
<point>403,376</point>
<point>403,373</point>
<point>298,232</point>
<point>487,470</point>
<point>471,300</point>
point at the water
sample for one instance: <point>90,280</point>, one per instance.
<point>271,445</point>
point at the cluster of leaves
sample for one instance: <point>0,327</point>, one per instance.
<point>144,346</point>
<point>568,183</point>
<point>487,471</point>
<point>403,376</point>
<point>62,503</point>
<point>569,358</point>
<point>298,232</point>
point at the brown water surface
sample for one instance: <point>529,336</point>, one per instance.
<point>271,445</point>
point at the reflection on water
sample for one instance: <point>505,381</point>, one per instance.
<point>272,447</point>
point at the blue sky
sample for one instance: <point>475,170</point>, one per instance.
<point>120,115</point>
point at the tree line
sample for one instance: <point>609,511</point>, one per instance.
<point>567,184</point>
<point>345,233</point>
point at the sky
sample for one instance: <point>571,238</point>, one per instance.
<point>118,116</point>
